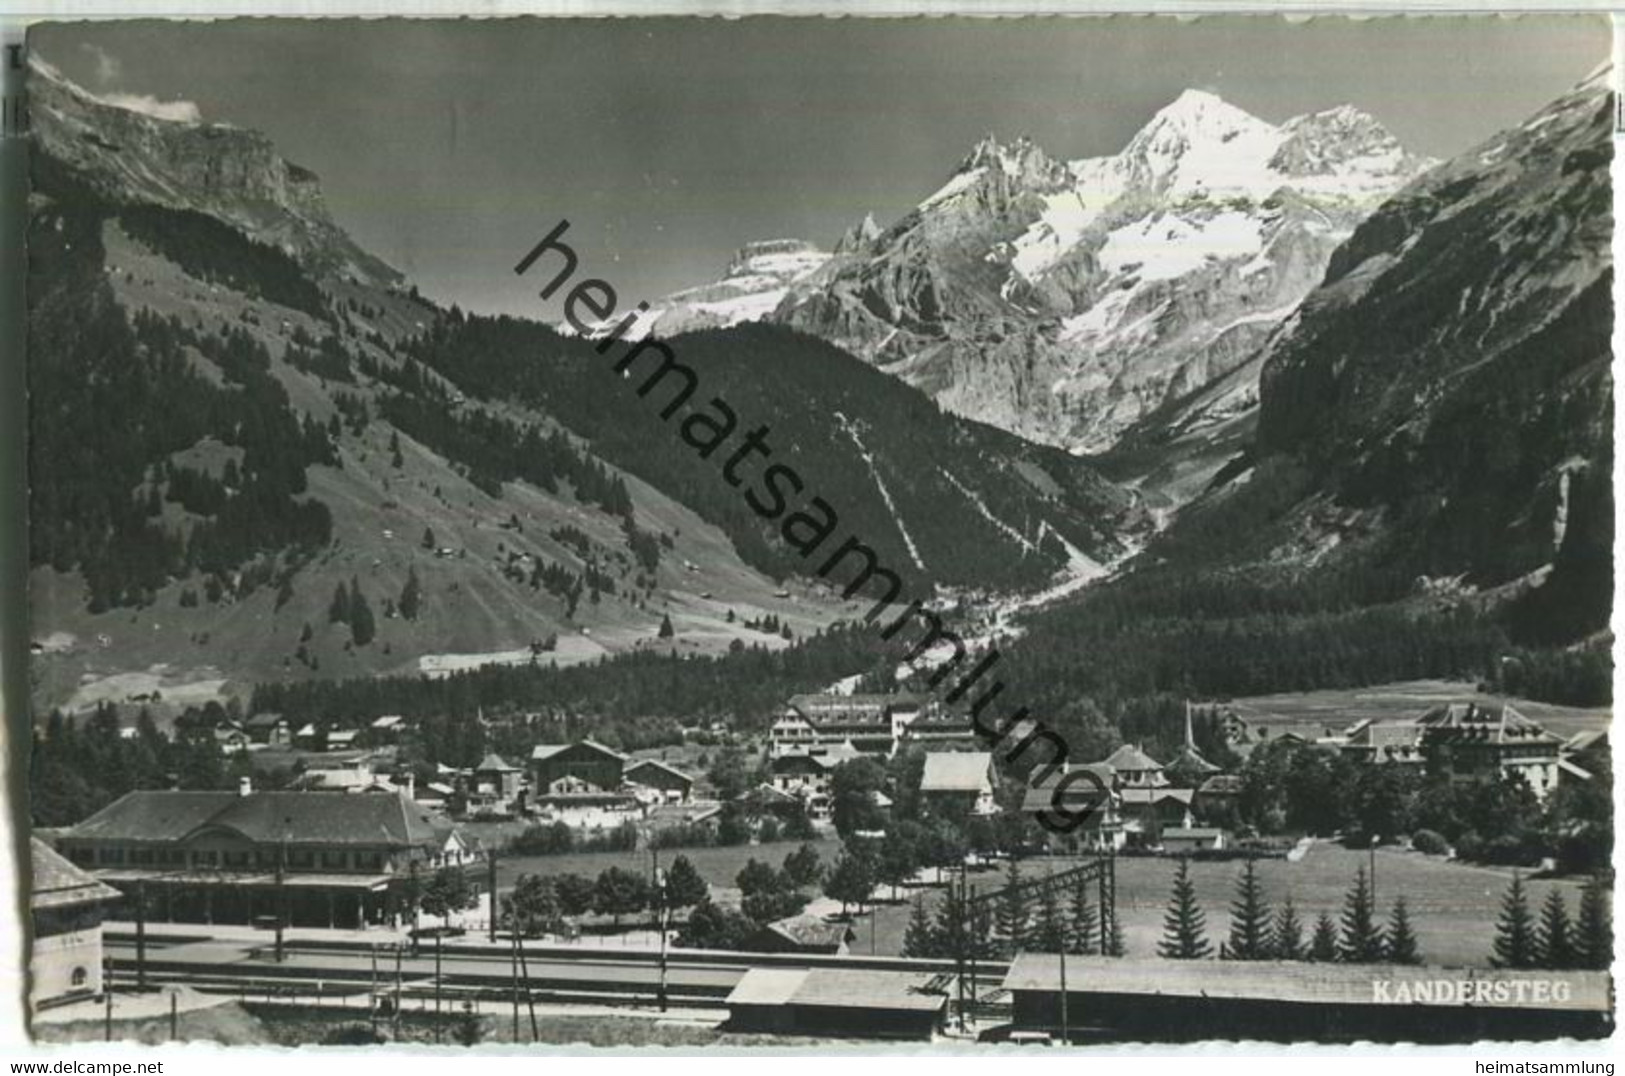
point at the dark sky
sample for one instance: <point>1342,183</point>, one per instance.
<point>449,147</point>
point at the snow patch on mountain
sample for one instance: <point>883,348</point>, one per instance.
<point>754,284</point>
<point>981,507</point>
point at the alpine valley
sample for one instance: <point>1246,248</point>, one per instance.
<point>1242,407</point>
<point>257,454</point>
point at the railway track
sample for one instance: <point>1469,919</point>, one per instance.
<point>334,971</point>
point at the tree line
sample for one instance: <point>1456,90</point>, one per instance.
<point>1293,787</point>
<point>744,688</point>
<point>1260,931</point>
<point>77,767</point>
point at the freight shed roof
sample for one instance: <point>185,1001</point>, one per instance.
<point>1327,984</point>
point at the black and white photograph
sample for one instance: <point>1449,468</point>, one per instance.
<point>782,533</point>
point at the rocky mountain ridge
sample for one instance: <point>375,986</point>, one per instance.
<point>227,172</point>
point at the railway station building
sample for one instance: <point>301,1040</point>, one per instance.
<point>243,857</point>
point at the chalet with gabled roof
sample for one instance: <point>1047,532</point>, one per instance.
<point>1136,769</point>
<point>807,774</point>
<point>387,729</point>
<point>667,782</point>
<point>581,773</point>
<point>1087,793</point>
<point>270,729</point>
<point>958,783</point>
<point>1471,741</point>
<point>1393,742</point>
<point>493,788</point>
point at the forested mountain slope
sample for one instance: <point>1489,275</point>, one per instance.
<point>942,500</point>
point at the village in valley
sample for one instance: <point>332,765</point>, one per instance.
<point>860,865</point>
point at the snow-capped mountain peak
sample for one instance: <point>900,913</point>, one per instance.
<point>1195,140</point>
<point>757,278</point>
<point>1197,116</point>
<point>1066,301</point>
<point>1321,142</point>
<point>1021,157</point>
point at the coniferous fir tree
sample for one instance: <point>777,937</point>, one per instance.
<point>1081,929</point>
<point>1362,938</point>
<point>1286,935</point>
<point>1249,919</point>
<point>1184,925</point>
<point>1115,945</point>
<point>1400,943</point>
<point>411,596</point>
<point>920,936</point>
<point>1555,938</point>
<point>1050,933</point>
<point>1593,929</point>
<point>362,625</point>
<point>951,932</point>
<point>685,886</point>
<point>338,610</point>
<point>979,925</point>
<point>1323,944</point>
<point>1012,914</point>
<point>1515,942</point>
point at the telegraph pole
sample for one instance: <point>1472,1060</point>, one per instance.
<point>1108,898</point>
<point>973,944</point>
<point>491,884</point>
<point>396,1032</point>
<point>415,895</point>
<point>959,940</point>
<point>663,913</point>
<point>524,968</point>
<point>1373,873</point>
<point>514,962</point>
<point>141,934</point>
<point>107,996</point>
<point>282,891</point>
<point>437,941</point>
<point>1066,1036</point>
